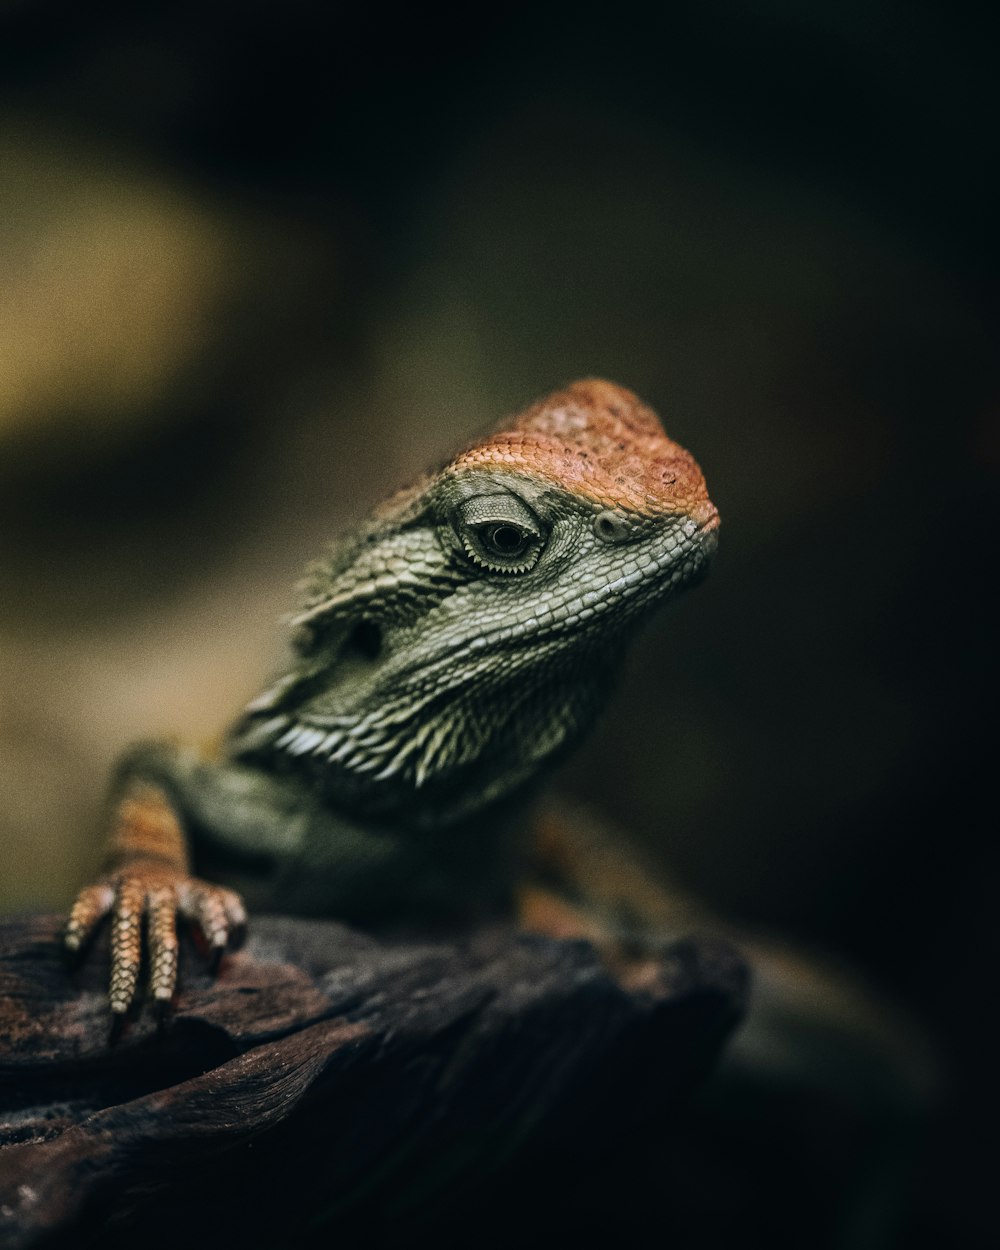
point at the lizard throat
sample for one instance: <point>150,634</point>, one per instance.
<point>435,755</point>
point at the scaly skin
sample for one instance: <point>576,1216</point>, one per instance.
<point>448,651</point>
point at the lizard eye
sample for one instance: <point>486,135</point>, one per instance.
<point>505,540</point>
<point>500,533</point>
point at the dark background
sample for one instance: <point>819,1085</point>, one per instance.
<point>261,263</point>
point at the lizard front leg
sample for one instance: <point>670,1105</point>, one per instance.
<point>146,882</point>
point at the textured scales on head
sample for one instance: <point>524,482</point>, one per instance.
<point>600,441</point>
<point>467,632</point>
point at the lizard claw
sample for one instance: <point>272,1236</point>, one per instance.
<point>116,1030</point>
<point>126,942</point>
<point>92,904</point>
<point>219,914</point>
<point>146,896</point>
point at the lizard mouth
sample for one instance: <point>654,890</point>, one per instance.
<point>658,577</point>
<point>651,577</point>
<point>400,728</point>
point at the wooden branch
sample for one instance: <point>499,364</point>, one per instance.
<point>327,1080</point>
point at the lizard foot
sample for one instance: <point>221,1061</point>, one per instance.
<point>146,894</point>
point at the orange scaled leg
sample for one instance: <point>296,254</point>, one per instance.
<point>146,883</point>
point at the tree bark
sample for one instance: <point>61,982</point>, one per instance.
<point>329,1087</point>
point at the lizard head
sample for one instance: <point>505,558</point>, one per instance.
<point>466,633</point>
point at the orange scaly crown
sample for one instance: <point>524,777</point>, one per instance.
<point>598,440</point>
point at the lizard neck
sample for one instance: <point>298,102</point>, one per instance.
<point>402,756</point>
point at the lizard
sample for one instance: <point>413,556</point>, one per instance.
<point>446,653</point>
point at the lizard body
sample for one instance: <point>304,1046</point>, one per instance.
<point>448,650</point>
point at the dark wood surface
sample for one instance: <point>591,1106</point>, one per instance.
<point>328,1087</point>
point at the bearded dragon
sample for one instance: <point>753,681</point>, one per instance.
<point>447,652</point>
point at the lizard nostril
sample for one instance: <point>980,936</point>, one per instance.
<point>610,527</point>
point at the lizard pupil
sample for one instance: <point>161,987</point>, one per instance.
<point>506,540</point>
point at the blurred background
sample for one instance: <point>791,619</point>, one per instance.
<point>260,264</point>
